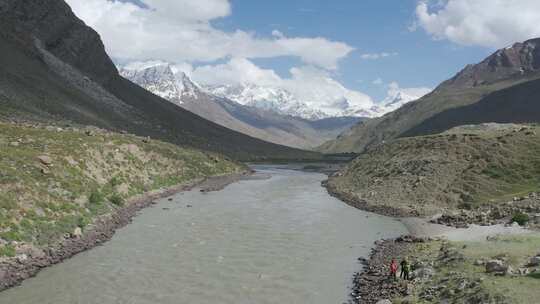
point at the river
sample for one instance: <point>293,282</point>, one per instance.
<point>276,240</point>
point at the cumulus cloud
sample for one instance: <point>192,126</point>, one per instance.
<point>489,23</point>
<point>181,30</point>
<point>309,84</point>
<point>375,56</point>
<point>235,71</point>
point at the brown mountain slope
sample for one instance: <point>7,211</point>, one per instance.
<point>502,88</point>
<point>54,67</point>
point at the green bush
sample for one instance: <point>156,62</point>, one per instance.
<point>117,199</point>
<point>7,251</point>
<point>95,197</point>
<point>521,218</point>
<point>115,181</point>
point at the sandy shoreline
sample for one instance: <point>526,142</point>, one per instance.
<point>14,271</point>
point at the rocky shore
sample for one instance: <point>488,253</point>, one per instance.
<point>524,210</point>
<point>441,270</point>
<point>373,285</point>
<point>14,271</point>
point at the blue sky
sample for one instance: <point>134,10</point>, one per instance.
<point>322,51</point>
<point>370,26</point>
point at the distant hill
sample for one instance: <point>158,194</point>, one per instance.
<point>259,122</point>
<point>502,88</point>
<point>54,68</point>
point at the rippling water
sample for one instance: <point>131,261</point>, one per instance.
<point>279,240</point>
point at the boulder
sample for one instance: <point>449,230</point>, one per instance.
<point>534,261</point>
<point>385,301</point>
<point>479,262</point>
<point>44,159</point>
<point>423,273</point>
<point>77,233</point>
<point>496,266</point>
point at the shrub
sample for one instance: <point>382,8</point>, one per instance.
<point>95,197</point>
<point>521,218</point>
<point>117,199</point>
<point>115,181</point>
<point>7,251</point>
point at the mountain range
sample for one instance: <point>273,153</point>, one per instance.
<point>503,88</point>
<point>54,68</point>
<point>272,115</point>
<point>269,113</point>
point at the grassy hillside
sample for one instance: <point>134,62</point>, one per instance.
<point>53,181</point>
<point>462,168</point>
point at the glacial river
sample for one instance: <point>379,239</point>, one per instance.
<point>276,240</point>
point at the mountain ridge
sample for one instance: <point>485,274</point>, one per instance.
<point>474,87</point>
<point>55,68</point>
<point>267,124</point>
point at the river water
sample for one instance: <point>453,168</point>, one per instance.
<point>276,240</point>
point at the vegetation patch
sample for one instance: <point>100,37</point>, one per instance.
<point>463,168</point>
<point>55,180</point>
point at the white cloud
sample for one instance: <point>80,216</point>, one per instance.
<point>179,31</point>
<point>377,81</point>
<point>394,89</point>
<point>490,23</point>
<point>235,71</point>
<point>375,56</point>
<point>309,84</point>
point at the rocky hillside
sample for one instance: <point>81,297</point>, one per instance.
<point>266,124</point>
<point>54,182</point>
<point>53,67</point>
<point>464,168</point>
<point>503,88</point>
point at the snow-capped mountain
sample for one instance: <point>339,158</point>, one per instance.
<point>284,102</point>
<point>160,79</point>
<point>267,98</point>
<point>257,117</point>
<point>395,99</point>
<point>164,80</point>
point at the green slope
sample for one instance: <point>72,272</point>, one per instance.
<point>461,168</point>
<point>54,180</point>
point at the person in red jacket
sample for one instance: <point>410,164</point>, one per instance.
<point>393,269</point>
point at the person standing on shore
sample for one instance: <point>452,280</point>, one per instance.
<point>405,269</point>
<point>393,269</point>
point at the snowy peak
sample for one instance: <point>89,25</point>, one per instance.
<point>161,80</point>
<point>165,80</point>
<point>268,98</point>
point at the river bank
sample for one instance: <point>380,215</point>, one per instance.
<point>275,240</point>
<point>451,265</point>
<point>14,271</point>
